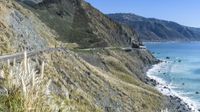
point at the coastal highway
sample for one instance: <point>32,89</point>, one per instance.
<point>115,48</point>
<point>20,56</point>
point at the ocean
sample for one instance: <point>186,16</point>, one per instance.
<point>179,73</point>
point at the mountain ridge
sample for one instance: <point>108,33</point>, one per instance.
<point>152,29</point>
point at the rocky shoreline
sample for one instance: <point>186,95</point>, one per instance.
<point>173,103</point>
<point>178,104</point>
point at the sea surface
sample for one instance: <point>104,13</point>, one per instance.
<point>179,73</point>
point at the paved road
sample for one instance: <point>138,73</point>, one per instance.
<point>112,48</point>
<point>19,56</point>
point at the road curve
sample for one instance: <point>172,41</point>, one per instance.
<point>20,56</point>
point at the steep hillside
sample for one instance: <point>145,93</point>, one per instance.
<point>85,80</point>
<point>75,19</point>
<point>150,29</point>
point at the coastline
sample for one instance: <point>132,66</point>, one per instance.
<point>176,101</point>
<point>171,41</point>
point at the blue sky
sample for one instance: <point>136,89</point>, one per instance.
<point>185,12</point>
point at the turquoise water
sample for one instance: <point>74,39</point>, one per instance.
<point>181,72</point>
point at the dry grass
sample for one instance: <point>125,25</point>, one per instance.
<point>26,88</point>
<point>27,91</point>
<point>143,97</point>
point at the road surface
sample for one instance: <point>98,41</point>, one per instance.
<point>20,56</point>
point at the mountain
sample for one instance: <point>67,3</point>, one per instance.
<point>151,29</point>
<point>76,59</point>
<point>83,22</point>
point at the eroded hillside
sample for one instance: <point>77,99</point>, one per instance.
<point>21,30</point>
<point>84,80</point>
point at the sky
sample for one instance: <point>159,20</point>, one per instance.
<point>185,12</point>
